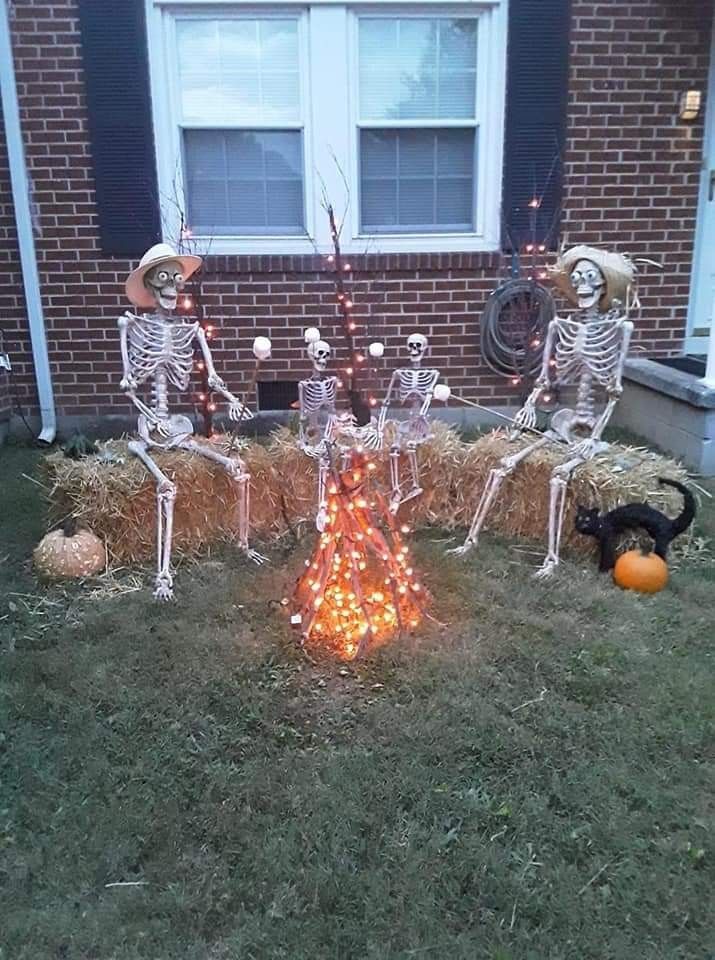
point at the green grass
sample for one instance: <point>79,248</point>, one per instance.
<point>532,781</point>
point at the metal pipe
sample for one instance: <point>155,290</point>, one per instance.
<point>25,237</point>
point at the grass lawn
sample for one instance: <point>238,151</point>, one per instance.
<point>533,781</point>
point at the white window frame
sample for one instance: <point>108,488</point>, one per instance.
<point>329,70</point>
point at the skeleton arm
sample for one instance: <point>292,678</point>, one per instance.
<point>428,394</point>
<point>615,388</point>
<point>303,419</point>
<point>237,410</point>
<point>382,417</point>
<point>526,417</point>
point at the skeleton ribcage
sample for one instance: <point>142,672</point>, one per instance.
<point>319,395</point>
<point>594,347</point>
<point>156,345</point>
<point>414,384</point>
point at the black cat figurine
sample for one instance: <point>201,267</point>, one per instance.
<point>607,526</point>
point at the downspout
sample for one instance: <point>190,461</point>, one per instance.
<point>25,237</point>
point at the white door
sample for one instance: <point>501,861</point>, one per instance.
<point>702,289</point>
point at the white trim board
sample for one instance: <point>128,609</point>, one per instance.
<point>330,122</point>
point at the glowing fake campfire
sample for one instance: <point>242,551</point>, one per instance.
<point>359,587</point>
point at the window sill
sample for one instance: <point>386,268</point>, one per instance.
<point>374,245</point>
<point>362,263</point>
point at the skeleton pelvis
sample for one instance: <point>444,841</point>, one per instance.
<point>175,429</point>
<point>570,426</point>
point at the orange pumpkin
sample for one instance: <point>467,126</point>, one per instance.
<point>643,572</point>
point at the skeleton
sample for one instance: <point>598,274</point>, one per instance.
<point>413,387</point>
<point>321,426</point>
<point>587,350</point>
<point>157,350</point>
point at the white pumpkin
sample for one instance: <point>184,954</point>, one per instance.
<point>68,552</point>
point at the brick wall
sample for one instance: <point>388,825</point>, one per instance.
<point>631,181</point>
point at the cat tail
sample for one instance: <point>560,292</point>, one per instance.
<point>687,515</point>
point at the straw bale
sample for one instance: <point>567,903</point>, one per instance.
<point>115,497</point>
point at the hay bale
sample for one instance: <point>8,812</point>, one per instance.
<point>116,497</point>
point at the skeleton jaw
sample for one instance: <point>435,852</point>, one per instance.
<point>588,297</point>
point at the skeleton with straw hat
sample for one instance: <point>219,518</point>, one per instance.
<point>158,351</point>
<point>587,350</point>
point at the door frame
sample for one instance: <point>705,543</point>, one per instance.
<point>699,344</point>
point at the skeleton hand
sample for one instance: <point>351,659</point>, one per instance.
<point>163,427</point>
<point>587,448</point>
<point>525,419</point>
<point>238,411</point>
<point>128,383</point>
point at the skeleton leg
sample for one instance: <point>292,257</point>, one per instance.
<point>496,477</point>
<point>165,496</point>
<point>321,516</point>
<point>395,487</point>
<point>236,469</point>
<point>415,490</point>
<point>557,507</point>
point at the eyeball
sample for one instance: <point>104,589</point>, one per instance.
<point>442,392</point>
<point>261,348</point>
<point>311,335</point>
<point>162,275</point>
<point>178,278</point>
<point>376,349</point>
<point>575,278</point>
<point>592,277</point>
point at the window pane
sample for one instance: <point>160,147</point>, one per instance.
<point>240,70</point>
<point>417,181</point>
<point>417,68</point>
<point>244,182</point>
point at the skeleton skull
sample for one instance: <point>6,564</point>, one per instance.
<point>319,352</point>
<point>589,284</point>
<point>165,281</point>
<point>416,347</point>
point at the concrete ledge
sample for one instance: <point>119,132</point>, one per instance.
<point>671,382</point>
<point>671,409</point>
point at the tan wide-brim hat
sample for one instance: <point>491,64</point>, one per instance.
<point>159,253</point>
<point>619,271</point>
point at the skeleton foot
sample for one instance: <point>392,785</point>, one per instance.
<point>321,519</point>
<point>163,588</point>
<point>547,569</point>
<point>463,549</point>
<point>414,492</point>
<point>255,557</point>
<point>395,502</point>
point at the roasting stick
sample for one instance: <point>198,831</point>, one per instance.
<point>503,416</point>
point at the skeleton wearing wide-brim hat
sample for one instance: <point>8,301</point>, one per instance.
<point>588,350</point>
<point>619,275</point>
<point>158,350</point>
<point>143,282</point>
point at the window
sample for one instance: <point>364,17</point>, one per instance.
<point>417,177</point>
<point>261,113</point>
<point>240,119</point>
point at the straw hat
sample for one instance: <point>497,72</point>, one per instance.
<point>159,253</point>
<point>618,270</point>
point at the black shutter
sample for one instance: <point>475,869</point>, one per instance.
<point>536,101</point>
<point>116,77</point>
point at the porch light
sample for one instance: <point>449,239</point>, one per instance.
<point>690,103</point>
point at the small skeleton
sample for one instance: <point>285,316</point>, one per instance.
<point>157,350</point>
<point>321,426</point>
<point>587,350</point>
<point>414,387</point>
